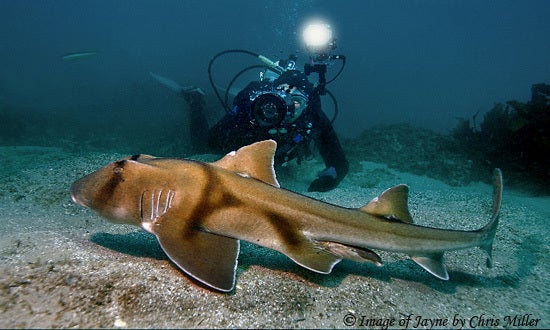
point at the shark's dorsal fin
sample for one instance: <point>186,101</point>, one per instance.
<point>255,160</point>
<point>391,204</point>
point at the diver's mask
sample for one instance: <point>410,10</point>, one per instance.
<point>276,107</point>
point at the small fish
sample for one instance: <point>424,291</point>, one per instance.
<point>199,211</point>
<point>78,55</point>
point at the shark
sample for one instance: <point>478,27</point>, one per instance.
<point>200,211</point>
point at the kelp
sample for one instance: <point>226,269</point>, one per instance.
<point>514,136</point>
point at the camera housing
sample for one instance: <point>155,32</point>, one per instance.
<point>270,106</point>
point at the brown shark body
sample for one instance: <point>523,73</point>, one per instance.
<point>199,212</point>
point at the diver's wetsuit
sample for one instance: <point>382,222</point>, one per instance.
<point>238,128</point>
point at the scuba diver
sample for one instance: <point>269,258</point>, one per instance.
<point>286,109</point>
<point>282,105</point>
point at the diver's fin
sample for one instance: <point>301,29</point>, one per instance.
<point>433,263</point>
<point>391,204</point>
<point>174,86</point>
<point>209,258</point>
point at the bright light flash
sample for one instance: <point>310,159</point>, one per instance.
<point>317,35</point>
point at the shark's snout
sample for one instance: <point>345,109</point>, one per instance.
<point>77,194</point>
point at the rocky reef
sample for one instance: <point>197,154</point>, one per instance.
<point>415,150</point>
<point>513,136</point>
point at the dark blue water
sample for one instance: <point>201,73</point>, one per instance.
<point>421,62</point>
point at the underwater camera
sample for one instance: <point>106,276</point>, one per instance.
<point>271,106</point>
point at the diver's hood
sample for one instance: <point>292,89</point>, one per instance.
<point>297,79</point>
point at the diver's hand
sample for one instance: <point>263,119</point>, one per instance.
<point>326,181</point>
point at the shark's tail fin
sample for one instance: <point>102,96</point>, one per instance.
<point>491,228</point>
<point>433,262</point>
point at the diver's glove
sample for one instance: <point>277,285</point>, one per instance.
<point>327,180</point>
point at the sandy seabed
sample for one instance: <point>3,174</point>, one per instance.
<point>62,266</point>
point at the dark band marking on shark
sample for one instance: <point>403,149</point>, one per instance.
<point>214,197</point>
<point>285,229</point>
<point>108,189</point>
<point>200,211</point>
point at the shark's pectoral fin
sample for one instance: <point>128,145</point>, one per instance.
<point>354,253</point>
<point>433,263</point>
<point>209,258</point>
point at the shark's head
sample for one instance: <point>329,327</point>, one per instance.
<point>113,191</point>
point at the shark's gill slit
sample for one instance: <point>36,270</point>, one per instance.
<point>158,204</point>
<point>169,197</point>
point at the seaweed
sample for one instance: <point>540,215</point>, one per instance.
<point>415,150</point>
<point>515,137</point>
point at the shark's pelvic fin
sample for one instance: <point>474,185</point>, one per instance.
<point>255,160</point>
<point>209,258</point>
<point>391,204</point>
<point>312,257</point>
<point>433,263</point>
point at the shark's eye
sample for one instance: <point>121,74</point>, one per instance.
<point>119,166</point>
